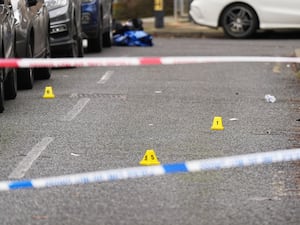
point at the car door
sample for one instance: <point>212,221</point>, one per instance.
<point>8,29</point>
<point>36,10</point>
<point>43,26</point>
<point>278,13</point>
<point>78,15</point>
<point>107,17</point>
<point>4,29</point>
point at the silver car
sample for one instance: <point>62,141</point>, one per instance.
<point>8,79</point>
<point>32,39</point>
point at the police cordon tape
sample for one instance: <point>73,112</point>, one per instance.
<point>148,171</point>
<point>136,61</point>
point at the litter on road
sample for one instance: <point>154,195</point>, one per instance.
<point>270,98</point>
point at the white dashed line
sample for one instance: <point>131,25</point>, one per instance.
<point>26,163</point>
<point>105,77</point>
<point>76,109</point>
<point>74,95</point>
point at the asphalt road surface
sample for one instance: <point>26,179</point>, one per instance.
<point>107,117</point>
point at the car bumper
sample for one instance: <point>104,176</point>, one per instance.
<point>61,33</point>
<point>209,16</point>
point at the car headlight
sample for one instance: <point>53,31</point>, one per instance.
<point>52,4</point>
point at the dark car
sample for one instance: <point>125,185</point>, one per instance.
<point>8,78</point>
<point>96,19</point>
<point>32,39</point>
<point>65,27</point>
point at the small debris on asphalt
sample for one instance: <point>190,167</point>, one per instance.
<point>270,98</point>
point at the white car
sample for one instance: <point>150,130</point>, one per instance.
<point>242,18</point>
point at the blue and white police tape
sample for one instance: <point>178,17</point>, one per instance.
<point>147,171</point>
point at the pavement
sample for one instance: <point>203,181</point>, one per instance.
<point>179,27</point>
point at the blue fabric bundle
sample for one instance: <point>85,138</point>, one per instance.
<point>133,38</point>
<point>131,34</point>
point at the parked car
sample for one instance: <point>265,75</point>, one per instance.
<point>65,27</point>
<point>242,18</point>
<point>96,19</point>
<point>32,39</point>
<point>8,77</point>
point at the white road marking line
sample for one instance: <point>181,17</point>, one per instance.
<point>26,163</point>
<point>76,109</point>
<point>105,77</point>
<point>73,95</point>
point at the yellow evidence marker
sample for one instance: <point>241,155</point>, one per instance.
<point>217,124</point>
<point>48,92</point>
<point>149,158</point>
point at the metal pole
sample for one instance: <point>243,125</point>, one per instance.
<point>159,13</point>
<point>176,9</point>
<point>181,7</point>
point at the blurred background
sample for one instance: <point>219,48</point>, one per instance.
<point>125,9</point>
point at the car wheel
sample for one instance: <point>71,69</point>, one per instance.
<point>10,85</point>
<point>80,47</point>
<point>1,92</point>
<point>26,76</point>
<point>239,21</point>
<point>44,73</point>
<point>96,44</point>
<point>73,50</point>
<point>108,35</point>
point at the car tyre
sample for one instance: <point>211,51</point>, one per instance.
<point>96,44</point>
<point>108,35</point>
<point>26,76</point>
<point>239,21</point>
<point>44,73</point>
<point>10,85</point>
<point>80,47</point>
<point>73,50</point>
<point>1,92</point>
